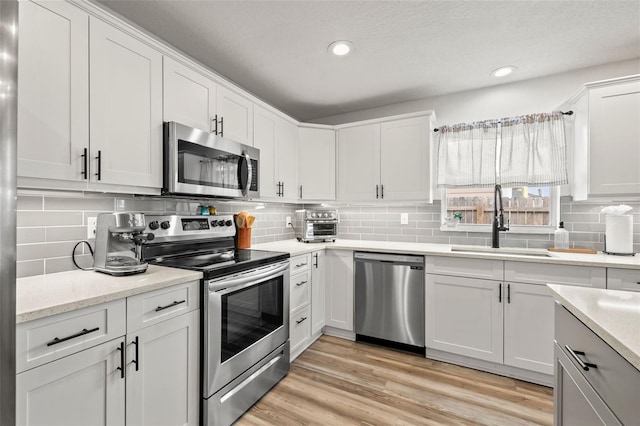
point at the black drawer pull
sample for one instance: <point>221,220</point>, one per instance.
<point>584,365</point>
<point>170,305</point>
<point>301,283</point>
<point>84,331</point>
<point>298,265</point>
<point>137,360</point>
<point>121,368</point>
<point>301,320</point>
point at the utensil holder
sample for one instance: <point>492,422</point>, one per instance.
<point>244,238</point>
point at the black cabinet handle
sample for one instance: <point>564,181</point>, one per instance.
<point>301,320</point>
<point>282,195</point>
<point>99,158</point>
<point>315,256</point>
<point>500,293</point>
<point>170,305</point>
<point>121,368</point>
<point>377,191</point>
<point>85,164</point>
<point>584,365</point>
<point>137,360</point>
<point>84,331</point>
<point>300,264</point>
<point>300,283</point>
<point>381,191</point>
<point>300,191</point>
<point>221,126</point>
<point>508,293</point>
<point>215,121</point>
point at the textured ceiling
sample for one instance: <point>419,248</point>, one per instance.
<point>405,50</point>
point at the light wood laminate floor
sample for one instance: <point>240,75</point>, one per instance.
<point>339,382</point>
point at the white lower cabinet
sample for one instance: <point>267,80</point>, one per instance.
<point>162,372</point>
<point>506,320</point>
<point>464,316</point>
<point>339,291</point>
<point>623,279</point>
<point>153,370</point>
<point>86,388</point>
<point>299,330</point>
<point>318,290</point>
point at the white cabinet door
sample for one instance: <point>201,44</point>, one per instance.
<point>464,316</point>
<point>318,280</point>
<point>623,279</point>
<point>359,163</point>
<point>404,159</point>
<point>53,83</point>
<point>317,163</point>
<point>163,382</point>
<point>264,124</point>
<point>189,97</point>
<point>236,113</point>
<point>82,389</point>
<point>528,327</point>
<point>126,108</point>
<point>614,140</point>
<point>286,142</point>
<point>339,303</point>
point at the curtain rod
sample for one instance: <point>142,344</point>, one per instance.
<point>499,121</point>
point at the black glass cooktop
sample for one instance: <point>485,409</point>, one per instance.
<point>219,263</point>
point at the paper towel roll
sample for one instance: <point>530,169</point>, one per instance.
<point>619,234</point>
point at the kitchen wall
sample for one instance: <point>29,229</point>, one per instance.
<point>502,100</point>
<point>51,223</point>
<point>582,219</point>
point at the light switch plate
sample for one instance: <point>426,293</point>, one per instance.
<point>92,224</point>
<point>404,218</point>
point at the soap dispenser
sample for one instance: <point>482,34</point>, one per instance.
<point>561,237</point>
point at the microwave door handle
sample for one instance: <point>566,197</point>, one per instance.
<point>245,183</point>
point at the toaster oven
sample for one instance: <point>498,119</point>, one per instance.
<point>316,225</point>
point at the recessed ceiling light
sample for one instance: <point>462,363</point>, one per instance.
<point>504,71</point>
<point>341,47</point>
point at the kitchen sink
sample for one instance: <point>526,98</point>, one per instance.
<point>502,250</point>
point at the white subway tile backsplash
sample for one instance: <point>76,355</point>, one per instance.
<point>43,251</point>
<point>29,268</point>
<point>48,218</point>
<point>79,203</point>
<point>29,202</point>
<point>66,233</point>
<point>30,235</point>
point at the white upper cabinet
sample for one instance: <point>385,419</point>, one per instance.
<point>316,163</point>
<point>276,139</point>
<point>53,83</point>
<point>386,161</point>
<point>606,138</point>
<point>189,97</point>
<point>235,116</point>
<point>126,108</point>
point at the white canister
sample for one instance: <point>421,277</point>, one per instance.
<point>619,234</point>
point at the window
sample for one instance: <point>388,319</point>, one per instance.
<point>528,209</point>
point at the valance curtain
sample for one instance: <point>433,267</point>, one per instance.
<point>528,150</point>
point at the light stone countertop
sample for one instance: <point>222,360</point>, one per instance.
<point>601,260</point>
<point>45,295</point>
<point>613,315</point>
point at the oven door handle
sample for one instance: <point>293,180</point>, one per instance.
<point>248,279</point>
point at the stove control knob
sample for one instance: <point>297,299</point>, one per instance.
<point>214,223</point>
<point>165,225</point>
<point>221,223</point>
<point>228,223</point>
<point>153,225</point>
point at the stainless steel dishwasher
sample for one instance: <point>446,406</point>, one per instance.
<point>389,299</point>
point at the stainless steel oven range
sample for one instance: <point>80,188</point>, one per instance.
<point>245,309</point>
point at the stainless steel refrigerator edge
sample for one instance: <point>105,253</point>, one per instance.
<point>389,297</point>
<point>8,161</point>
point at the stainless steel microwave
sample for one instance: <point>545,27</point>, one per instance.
<point>204,164</point>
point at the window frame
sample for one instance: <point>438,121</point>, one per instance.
<point>554,218</point>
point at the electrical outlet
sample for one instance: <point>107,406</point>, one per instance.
<point>404,218</point>
<point>92,224</point>
<point>288,220</point>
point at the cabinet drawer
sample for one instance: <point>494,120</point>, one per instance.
<point>299,290</point>
<point>299,328</point>
<point>299,263</point>
<point>47,339</point>
<point>614,379</point>
<point>623,279</point>
<point>464,267</point>
<point>156,306</point>
<point>544,273</point>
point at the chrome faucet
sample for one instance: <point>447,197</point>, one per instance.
<point>498,218</point>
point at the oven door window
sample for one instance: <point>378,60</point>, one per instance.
<point>250,314</point>
<point>323,229</point>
